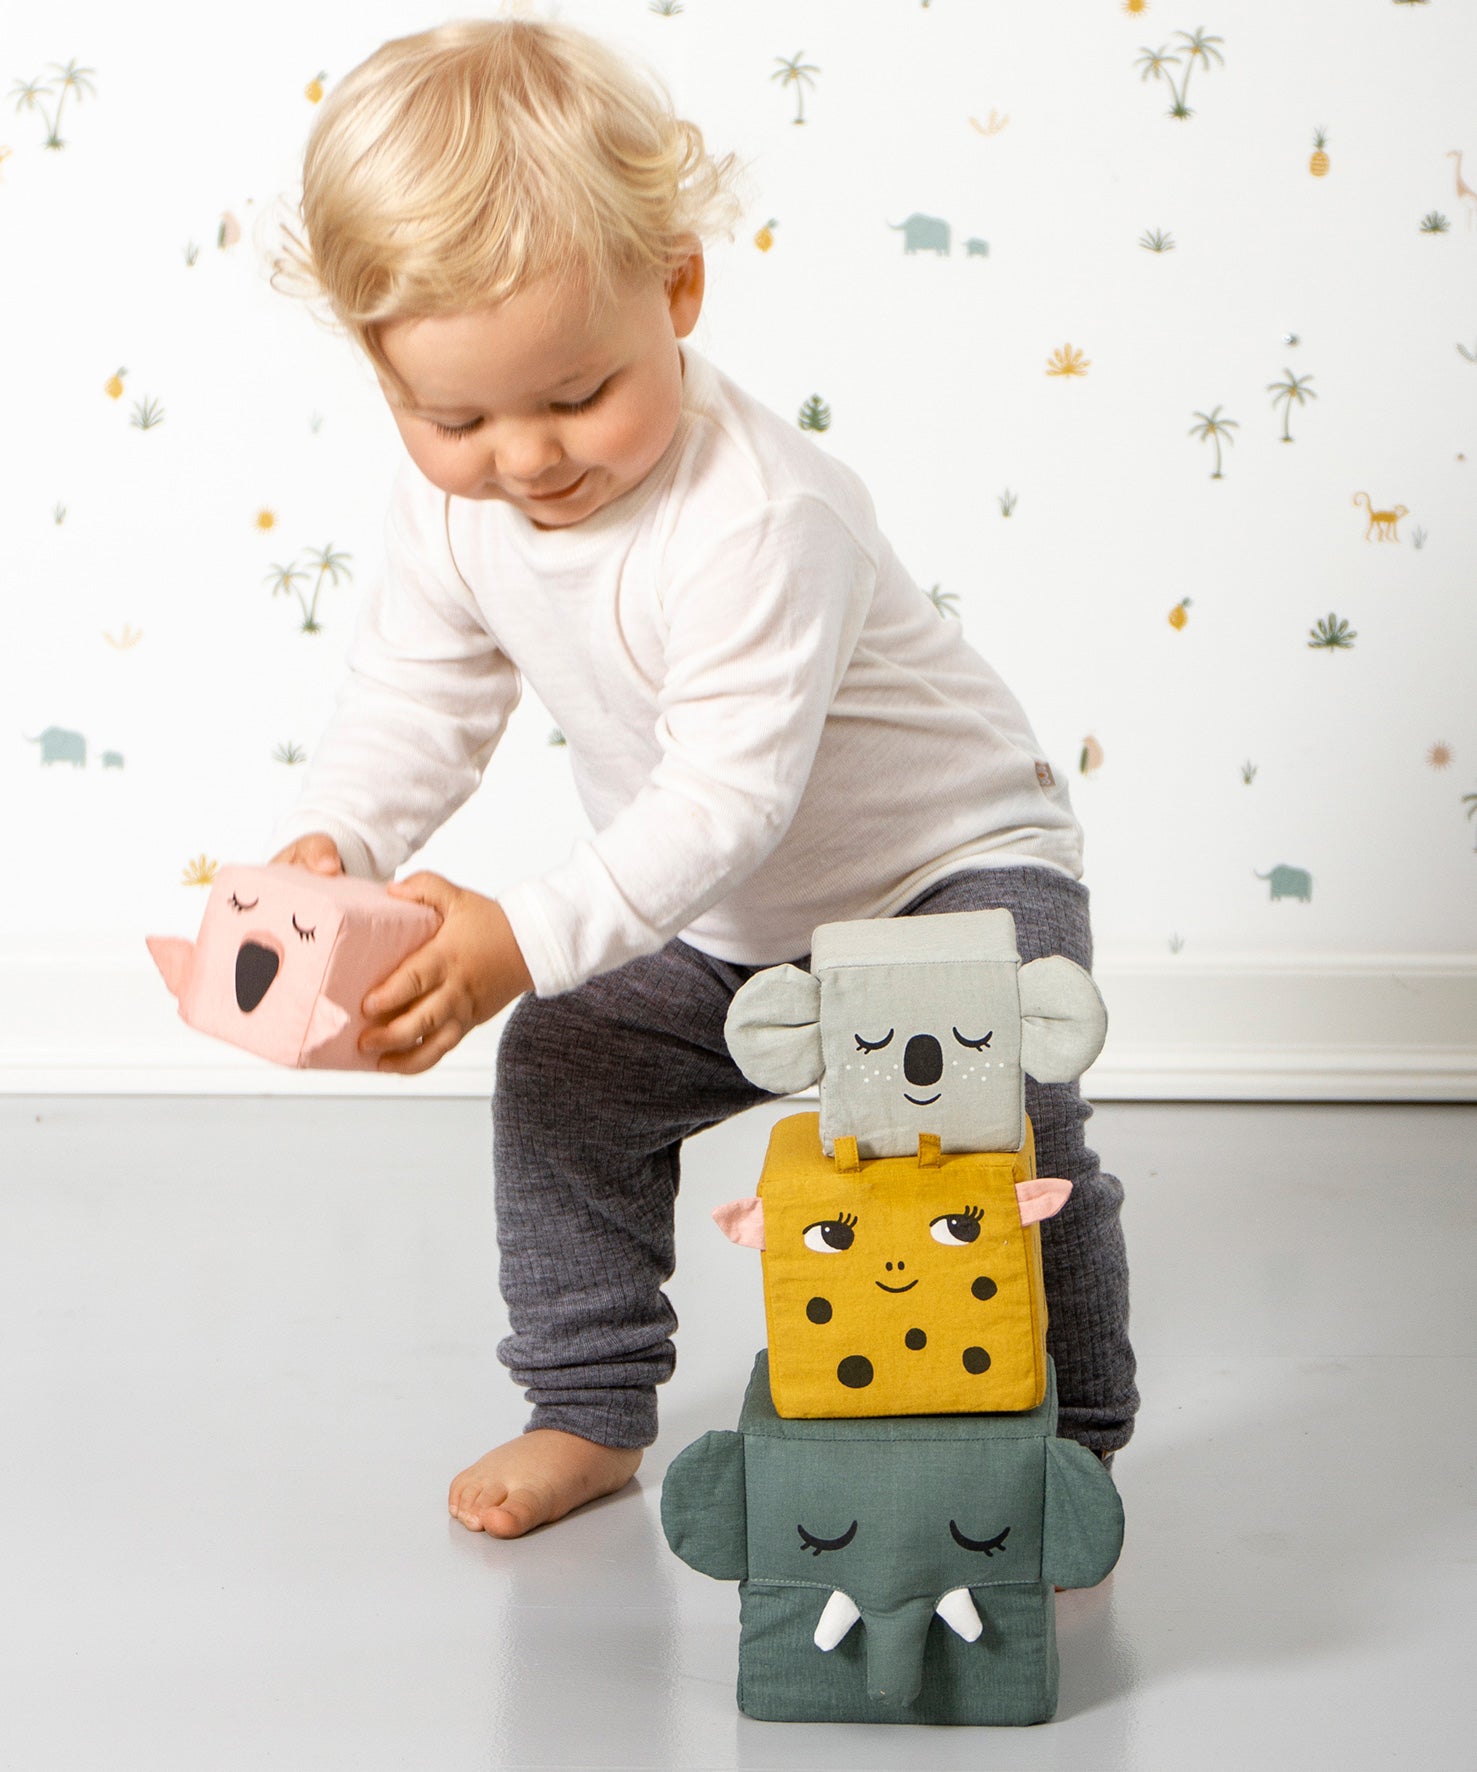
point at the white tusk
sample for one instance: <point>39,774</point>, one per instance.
<point>839,1616</point>
<point>957,1611</point>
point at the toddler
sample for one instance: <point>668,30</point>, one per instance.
<point>769,725</point>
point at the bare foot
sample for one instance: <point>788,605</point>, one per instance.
<point>539,1476</point>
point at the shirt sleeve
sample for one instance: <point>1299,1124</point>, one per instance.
<point>760,627</point>
<point>426,698</point>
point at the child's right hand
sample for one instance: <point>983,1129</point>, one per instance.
<point>316,851</point>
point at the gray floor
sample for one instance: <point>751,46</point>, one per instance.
<point>245,1344</point>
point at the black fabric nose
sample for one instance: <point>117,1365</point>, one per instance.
<point>923,1060</point>
<point>256,967</point>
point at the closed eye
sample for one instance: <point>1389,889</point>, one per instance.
<point>306,934</point>
<point>989,1545</point>
<point>455,430</point>
<point>816,1545</point>
<point>974,1045</point>
<point>588,401</point>
<point>236,904</point>
<point>874,1045</point>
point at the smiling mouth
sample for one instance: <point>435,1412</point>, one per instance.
<point>563,492</point>
<point>927,1101</point>
<point>908,1288</point>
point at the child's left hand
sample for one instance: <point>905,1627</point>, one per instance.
<point>469,969</point>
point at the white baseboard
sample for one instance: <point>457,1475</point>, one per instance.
<point>1393,1027</point>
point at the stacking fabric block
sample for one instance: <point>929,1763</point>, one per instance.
<point>918,1025</point>
<point>894,1569</point>
<point>900,1286</point>
<point>285,957</point>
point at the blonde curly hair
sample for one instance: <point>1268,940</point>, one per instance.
<point>454,167</point>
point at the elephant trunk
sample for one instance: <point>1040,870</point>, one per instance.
<point>895,1644</point>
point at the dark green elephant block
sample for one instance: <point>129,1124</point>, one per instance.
<point>897,1568</point>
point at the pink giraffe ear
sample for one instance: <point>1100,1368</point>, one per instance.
<point>742,1221</point>
<point>173,956</point>
<point>1042,1198</point>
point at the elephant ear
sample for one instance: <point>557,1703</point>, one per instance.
<point>1063,1020</point>
<point>704,1507</point>
<point>773,1029</point>
<point>1083,1531</point>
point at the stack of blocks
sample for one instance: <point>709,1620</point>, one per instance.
<point>895,1504</point>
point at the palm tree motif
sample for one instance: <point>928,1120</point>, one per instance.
<point>1284,393</point>
<point>798,74</point>
<point>1215,427</point>
<point>945,602</point>
<point>28,95</point>
<point>1470,802</point>
<point>285,581</point>
<point>1197,46</point>
<point>1332,634</point>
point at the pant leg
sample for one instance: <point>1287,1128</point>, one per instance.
<point>596,1089</point>
<point>1083,1258</point>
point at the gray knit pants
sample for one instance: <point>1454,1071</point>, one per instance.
<point>596,1090</point>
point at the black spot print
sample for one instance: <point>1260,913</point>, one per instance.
<point>915,1339</point>
<point>819,1310</point>
<point>855,1372</point>
<point>984,1287</point>
<point>976,1360</point>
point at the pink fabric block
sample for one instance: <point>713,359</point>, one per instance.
<point>285,957</point>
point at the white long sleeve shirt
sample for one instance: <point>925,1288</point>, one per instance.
<point>769,725</point>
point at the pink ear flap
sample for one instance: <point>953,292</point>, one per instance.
<point>1042,1198</point>
<point>742,1221</point>
<point>172,955</point>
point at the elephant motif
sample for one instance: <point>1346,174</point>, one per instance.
<point>112,759</point>
<point>1289,883</point>
<point>60,746</point>
<point>974,247</point>
<point>896,1569</point>
<point>918,1026</point>
<point>923,233</point>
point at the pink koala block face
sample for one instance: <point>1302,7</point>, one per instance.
<point>284,959</point>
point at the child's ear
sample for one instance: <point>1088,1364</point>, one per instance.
<point>685,291</point>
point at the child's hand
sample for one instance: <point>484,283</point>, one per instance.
<point>316,851</point>
<point>469,969</point>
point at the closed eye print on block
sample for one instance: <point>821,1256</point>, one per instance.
<point>816,1545</point>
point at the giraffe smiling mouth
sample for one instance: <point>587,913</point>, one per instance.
<point>908,1288</point>
<point>927,1100</point>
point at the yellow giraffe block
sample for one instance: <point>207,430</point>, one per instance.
<point>902,1286</point>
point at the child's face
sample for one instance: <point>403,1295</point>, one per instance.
<point>542,403</point>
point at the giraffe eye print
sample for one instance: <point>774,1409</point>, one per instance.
<point>957,1228</point>
<point>874,1045</point>
<point>816,1545</point>
<point>236,904</point>
<point>831,1236</point>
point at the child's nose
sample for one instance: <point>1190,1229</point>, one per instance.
<point>524,453</point>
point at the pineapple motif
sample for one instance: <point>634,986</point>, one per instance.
<point>1318,164</point>
<point>313,91</point>
<point>1177,616</point>
<point>113,386</point>
<point>764,239</point>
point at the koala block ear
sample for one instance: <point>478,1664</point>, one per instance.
<point>1063,1021</point>
<point>773,1029</point>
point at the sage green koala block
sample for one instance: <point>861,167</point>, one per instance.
<point>894,1568</point>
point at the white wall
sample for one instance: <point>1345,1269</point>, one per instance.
<point>143,620</point>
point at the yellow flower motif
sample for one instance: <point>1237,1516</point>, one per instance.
<point>1439,756</point>
<point>266,520</point>
<point>1068,361</point>
<point>199,872</point>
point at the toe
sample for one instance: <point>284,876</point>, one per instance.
<point>519,1511</point>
